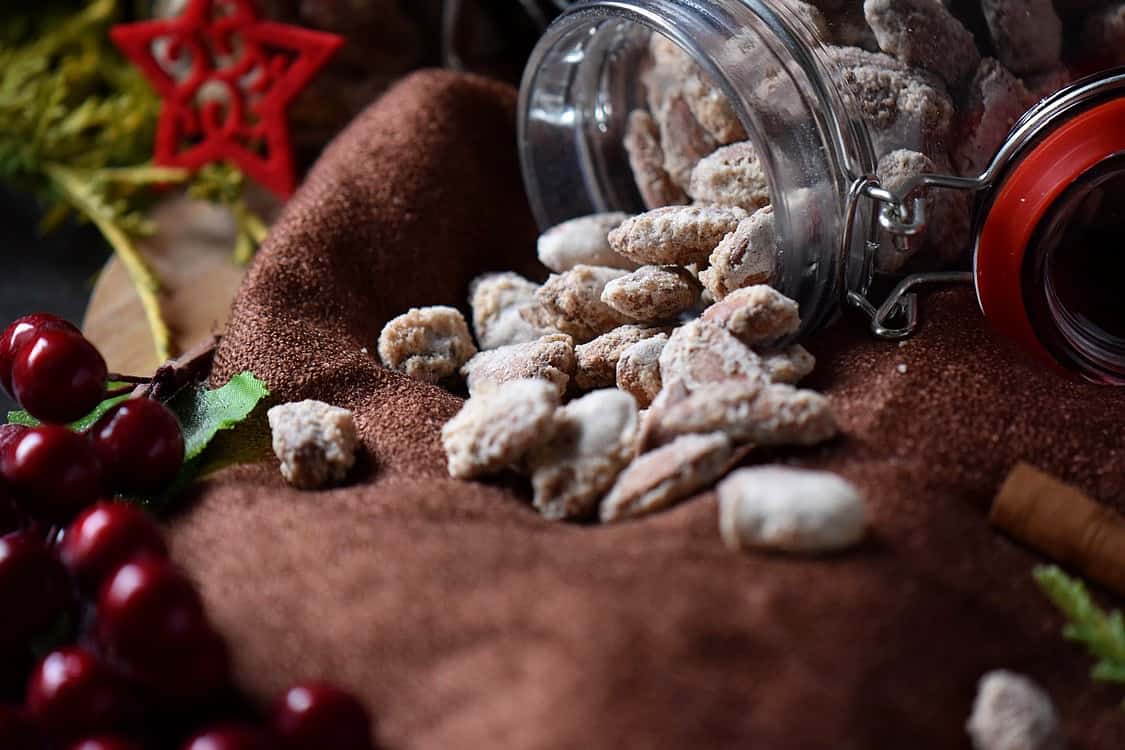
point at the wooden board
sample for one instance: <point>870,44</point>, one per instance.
<point>191,253</point>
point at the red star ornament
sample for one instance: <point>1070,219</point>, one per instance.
<point>226,77</point>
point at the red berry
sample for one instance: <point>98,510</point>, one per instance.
<point>21,332</point>
<point>9,433</point>
<point>149,614</point>
<point>140,444</point>
<point>230,737</point>
<point>17,732</point>
<point>193,675</point>
<point>105,743</point>
<point>313,715</point>
<point>71,693</point>
<point>105,537</point>
<point>57,469</point>
<point>34,589</point>
<point>10,517</point>
<point>58,376</point>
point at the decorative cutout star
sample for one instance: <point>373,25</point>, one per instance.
<point>226,78</point>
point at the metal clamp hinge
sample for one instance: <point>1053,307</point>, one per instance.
<point>903,219</point>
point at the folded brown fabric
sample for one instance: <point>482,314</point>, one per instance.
<point>467,621</point>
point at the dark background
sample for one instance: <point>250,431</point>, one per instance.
<point>53,273</point>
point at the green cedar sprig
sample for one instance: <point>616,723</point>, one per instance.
<point>1101,632</point>
<point>79,124</point>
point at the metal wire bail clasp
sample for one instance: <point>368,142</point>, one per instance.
<point>903,218</point>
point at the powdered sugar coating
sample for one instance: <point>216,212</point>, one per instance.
<point>592,442</point>
<point>1027,34</point>
<point>638,369</point>
<point>646,160</point>
<point>790,365</point>
<point>731,176</point>
<point>658,479</point>
<point>904,107</point>
<point>995,100</point>
<point>549,358</point>
<point>1011,712</point>
<point>497,429</point>
<point>712,109</point>
<point>683,140</point>
<point>675,235</point>
<point>653,293</point>
<point>582,241</point>
<point>597,359</point>
<point>746,410</point>
<point>784,509</point>
<point>499,302</point>
<point>746,256</point>
<point>426,343</point>
<point>756,315</point>
<point>573,301</point>
<point>701,353</point>
<point>315,442</point>
<point>923,33</point>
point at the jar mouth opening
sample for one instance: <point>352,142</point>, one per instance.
<point>1073,271</point>
<point>582,82</point>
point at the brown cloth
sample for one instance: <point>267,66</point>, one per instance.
<point>467,621</point>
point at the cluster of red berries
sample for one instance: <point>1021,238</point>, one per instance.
<point>144,668</point>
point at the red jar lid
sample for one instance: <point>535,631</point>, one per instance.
<point>1037,181</point>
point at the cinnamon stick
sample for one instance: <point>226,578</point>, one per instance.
<point>1064,524</point>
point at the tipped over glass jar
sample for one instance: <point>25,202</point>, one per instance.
<point>890,140</point>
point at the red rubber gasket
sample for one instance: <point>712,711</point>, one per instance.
<point>1034,185</point>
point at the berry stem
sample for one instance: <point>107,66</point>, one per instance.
<point>74,189</point>
<point>192,366</point>
<point>116,377</point>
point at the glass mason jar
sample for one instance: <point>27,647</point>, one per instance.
<point>1038,199</point>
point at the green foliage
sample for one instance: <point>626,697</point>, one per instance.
<point>204,413</point>
<point>78,129</point>
<point>1101,632</point>
<point>22,417</point>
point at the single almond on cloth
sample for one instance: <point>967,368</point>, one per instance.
<point>315,442</point>
<point>756,315</point>
<point>497,429</point>
<point>427,343</point>
<point>790,510</point>
<point>790,365</point>
<point>1011,712</point>
<point>665,476</point>
<point>700,353</point>
<point>592,442</point>
<point>549,358</point>
<point>747,411</point>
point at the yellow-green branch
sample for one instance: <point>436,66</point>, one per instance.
<point>76,191</point>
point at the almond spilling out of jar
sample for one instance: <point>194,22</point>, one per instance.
<point>662,350</point>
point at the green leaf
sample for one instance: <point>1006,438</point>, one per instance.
<point>1101,632</point>
<point>25,419</point>
<point>204,413</point>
